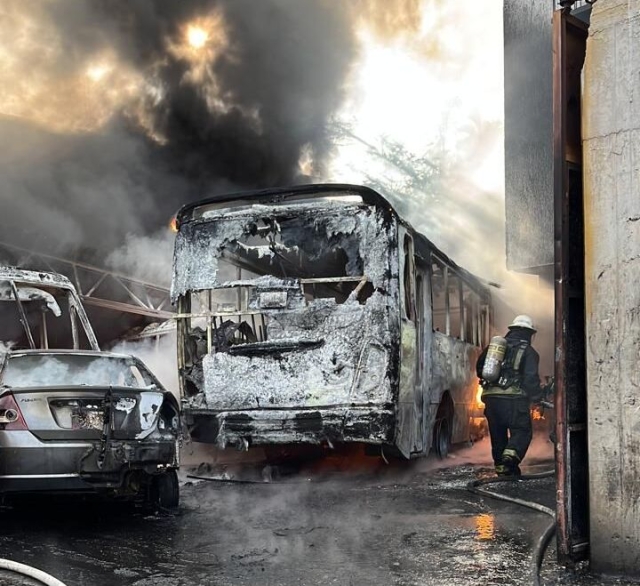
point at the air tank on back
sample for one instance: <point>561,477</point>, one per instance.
<point>493,360</point>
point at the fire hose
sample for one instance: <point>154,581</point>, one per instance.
<point>29,572</point>
<point>543,541</point>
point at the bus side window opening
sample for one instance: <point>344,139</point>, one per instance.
<point>438,297</point>
<point>471,316</point>
<point>409,279</point>
<point>455,307</point>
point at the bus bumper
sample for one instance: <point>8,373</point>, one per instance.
<point>373,425</point>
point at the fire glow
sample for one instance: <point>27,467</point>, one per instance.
<point>485,527</point>
<point>479,402</point>
<point>537,414</point>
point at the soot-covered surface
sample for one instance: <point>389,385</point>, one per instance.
<point>341,522</point>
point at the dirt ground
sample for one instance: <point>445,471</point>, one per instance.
<point>336,522</point>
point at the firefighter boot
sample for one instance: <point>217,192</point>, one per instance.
<point>511,460</point>
<point>501,470</point>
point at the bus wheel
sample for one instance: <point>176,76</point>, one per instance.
<point>442,438</point>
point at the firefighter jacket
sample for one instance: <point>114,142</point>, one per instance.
<point>520,377</point>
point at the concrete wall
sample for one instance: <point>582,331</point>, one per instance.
<point>611,134</point>
<point>528,134</point>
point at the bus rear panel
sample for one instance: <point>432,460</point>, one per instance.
<point>286,323</point>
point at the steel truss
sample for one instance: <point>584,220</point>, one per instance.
<point>98,287</point>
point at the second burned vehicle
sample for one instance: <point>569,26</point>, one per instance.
<point>73,418</point>
<point>314,314</point>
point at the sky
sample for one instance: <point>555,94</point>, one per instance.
<point>436,90</point>
<point>406,88</point>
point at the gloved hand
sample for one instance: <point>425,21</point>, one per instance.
<point>547,392</point>
<point>548,389</point>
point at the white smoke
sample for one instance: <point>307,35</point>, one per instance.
<point>159,355</point>
<point>147,258</point>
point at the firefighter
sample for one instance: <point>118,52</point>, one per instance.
<point>508,400</point>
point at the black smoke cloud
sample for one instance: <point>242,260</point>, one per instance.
<point>280,78</point>
<point>286,63</point>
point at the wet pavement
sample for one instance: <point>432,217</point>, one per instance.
<point>409,524</point>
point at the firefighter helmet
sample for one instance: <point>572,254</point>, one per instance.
<point>523,321</point>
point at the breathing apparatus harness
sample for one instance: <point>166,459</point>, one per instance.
<point>503,363</point>
<point>510,368</point>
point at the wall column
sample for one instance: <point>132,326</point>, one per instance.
<point>611,151</point>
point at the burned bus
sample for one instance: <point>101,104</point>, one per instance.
<point>315,314</point>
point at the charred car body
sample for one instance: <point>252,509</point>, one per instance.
<point>315,314</point>
<point>77,419</point>
<point>42,310</point>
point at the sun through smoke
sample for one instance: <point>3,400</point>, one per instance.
<point>197,36</point>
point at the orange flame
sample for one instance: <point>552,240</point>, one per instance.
<point>173,224</point>
<point>536,414</point>
<point>479,402</point>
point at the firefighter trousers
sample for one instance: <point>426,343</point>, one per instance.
<point>509,420</point>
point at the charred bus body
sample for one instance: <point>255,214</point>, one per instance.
<point>314,314</point>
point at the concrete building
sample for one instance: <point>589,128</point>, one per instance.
<point>611,151</point>
<point>528,137</point>
<point>572,131</point>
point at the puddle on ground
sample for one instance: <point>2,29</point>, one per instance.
<point>485,527</point>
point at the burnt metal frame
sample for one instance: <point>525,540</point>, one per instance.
<point>23,316</point>
<point>15,276</point>
<point>142,298</point>
<point>569,47</point>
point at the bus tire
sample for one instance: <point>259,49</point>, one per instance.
<point>442,438</point>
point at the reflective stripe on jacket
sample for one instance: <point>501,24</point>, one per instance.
<point>495,390</point>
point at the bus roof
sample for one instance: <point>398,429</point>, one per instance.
<point>281,194</point>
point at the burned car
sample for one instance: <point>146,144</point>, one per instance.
<point>42,310</point>
<point>74,419</point>
<point>87,421</point>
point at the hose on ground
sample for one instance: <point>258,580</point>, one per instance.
<point>543,541</point>
<point>224,480</point>
<point>242,481</point>
<point>538,551</point>
<point>29,572</point>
